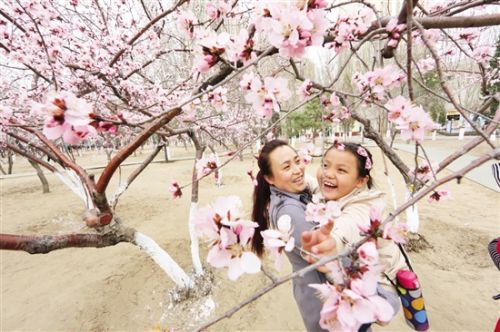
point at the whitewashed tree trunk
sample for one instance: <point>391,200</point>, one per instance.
<point>195,252</point>
<point>163,259</point>
<point>73,182</point>
<point>412,219</point>
<point>219,171</point>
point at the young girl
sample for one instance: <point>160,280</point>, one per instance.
<point>282,190</point>
<point>344,176</point>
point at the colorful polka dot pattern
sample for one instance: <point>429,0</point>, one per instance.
<point>414,308</point>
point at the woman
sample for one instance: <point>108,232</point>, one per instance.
<point>282,190</point>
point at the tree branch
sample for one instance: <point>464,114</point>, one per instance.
<point>389,152</point>
<point>42,244</point>
<point>136,173</point>
<point>30,157</point>
<point>126,151</point>
<point>143,30</point>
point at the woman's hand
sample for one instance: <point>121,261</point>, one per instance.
<point>320,243</point>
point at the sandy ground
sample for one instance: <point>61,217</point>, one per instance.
<point>120,288</point>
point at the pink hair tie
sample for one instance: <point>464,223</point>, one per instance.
<point>362,152</point>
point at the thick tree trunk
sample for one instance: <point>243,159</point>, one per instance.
<point>10,161</point>
<point>41,176</point>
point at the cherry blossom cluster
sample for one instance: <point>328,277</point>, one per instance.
<point>374,85</point>
<point>412,120</point>
<point>292,26</point>
<point>394,30</point>
<point>228,236</point>
<point>217,98</point>
<point>337,112</point>
<point>218,8</point>
<point>352,299</point>
<point>349,28</point>
<point>395,231</point>
<point>322,212</point>
<point>65,116</point>
<point>265,96</point>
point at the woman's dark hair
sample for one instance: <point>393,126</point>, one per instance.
<point>353,148</point>
<point>262,194</point>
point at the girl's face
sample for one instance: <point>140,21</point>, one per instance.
<point>287,170</point>
<point>338,175</point>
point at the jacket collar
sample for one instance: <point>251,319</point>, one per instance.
<point>304,197</point>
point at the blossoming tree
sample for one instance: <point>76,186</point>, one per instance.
<point>217,72</point>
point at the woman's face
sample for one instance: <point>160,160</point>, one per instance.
<point>287,170</point>
<point>338,174</point>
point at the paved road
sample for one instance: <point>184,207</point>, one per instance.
<point>482,175</point>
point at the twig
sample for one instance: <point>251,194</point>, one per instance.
<point>135,173</point>
<point>445,88</point>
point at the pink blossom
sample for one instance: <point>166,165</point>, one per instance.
<point>5,115</point>
<point>217,98</point>
<point>66,116</point>
<point>265,97</point>
<point>432,36</point>
<point>304,90</point>
<point>335,100</point>
<point>415,124</point>
<point>347,308</point>
<point>398,108</point>
<point>394,30</point>
<point>351,27</point>
<point>439,195</point>
<point>247,80</point>
<point>368,253</point>
<point>281,237</point>
<point>217,9</point>
<point>323,212</point>
<point>304,156</point>
<point>468,35</point>
<point>380,81</point>
<point>317,4</point>
<point>426,65</point>
<point>424,171</point>
<point>396,231</point>
<point>247,262</point>
<point>185,23</point>
<point>211,45</point>
<point>205,166</point>
<point>175,189</point>
<point>277,240</point>
<point>291,29</point>
<point>229,236</point>
<point>252,177</point>
<point>320,26</point>
<point>240,47</point>
<point>482,54</point>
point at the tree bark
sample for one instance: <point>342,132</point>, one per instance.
<point>41,176</point>
<point>42,244</point>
